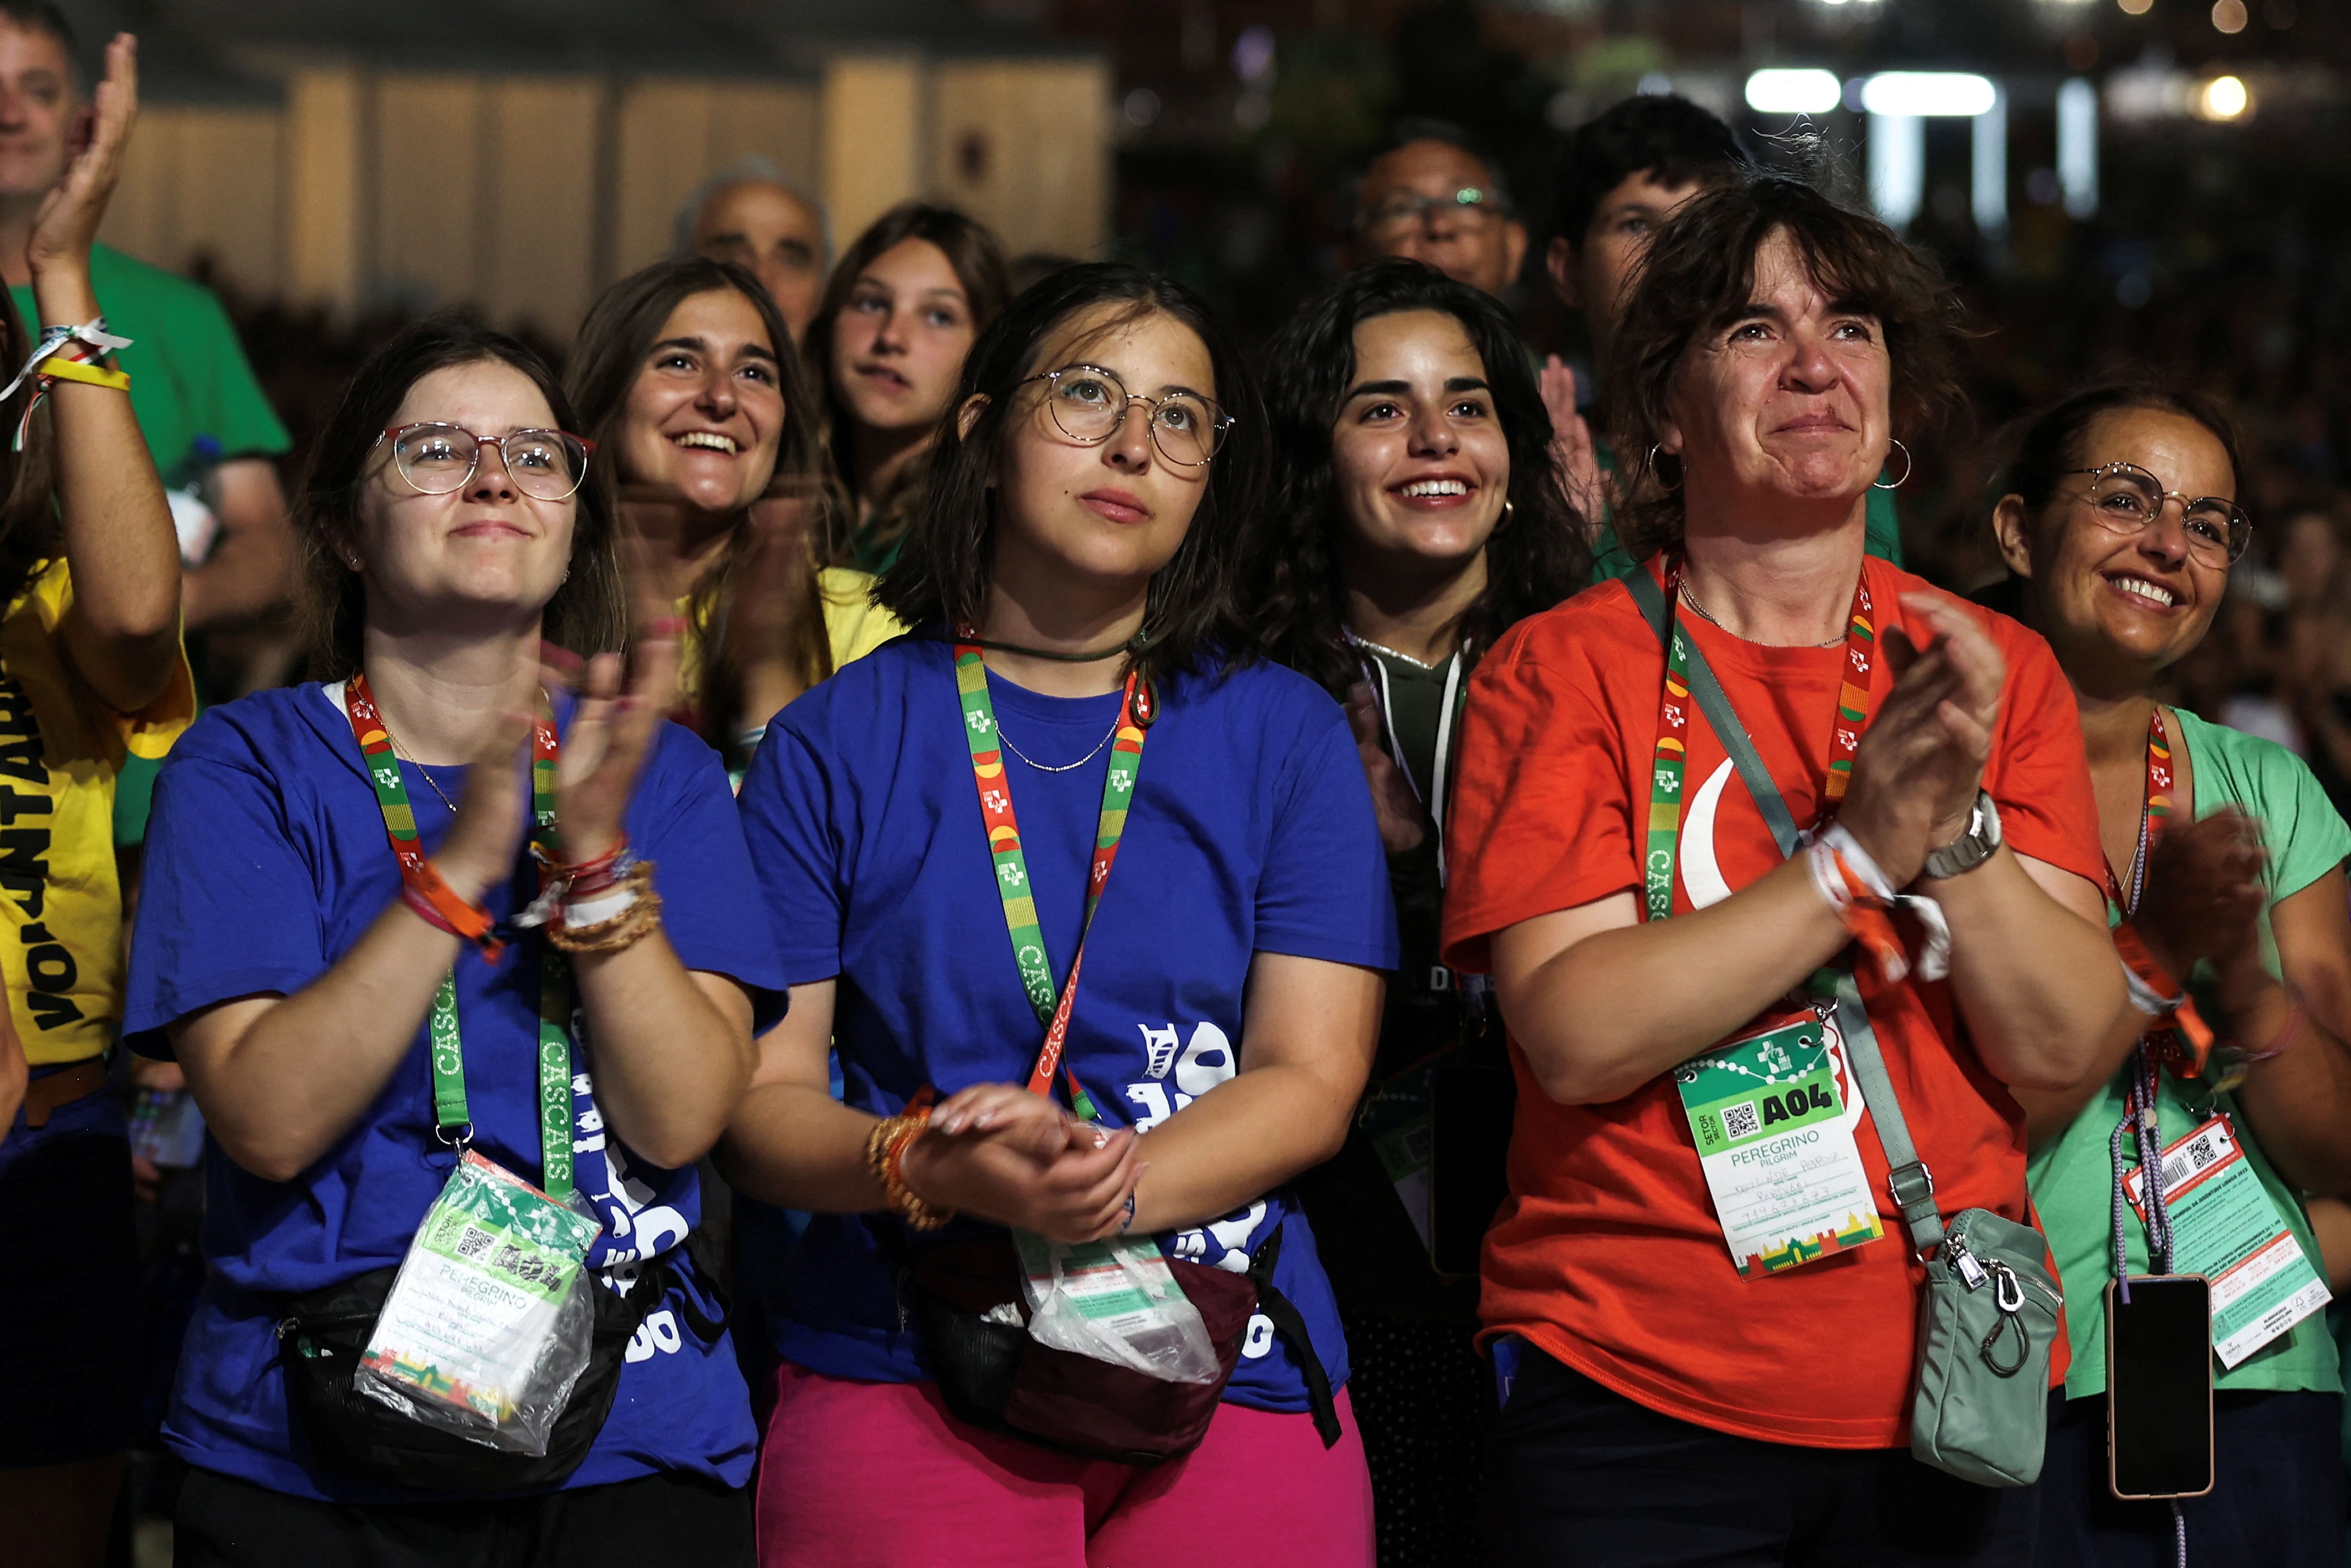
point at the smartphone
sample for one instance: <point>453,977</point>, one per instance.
<point>1470,1110</point>
<point>2159,1386</point>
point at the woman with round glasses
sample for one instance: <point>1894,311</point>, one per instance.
<point>1067,761</point>
<point>2120,524</point>
<point>904,306</point>
<point>375,909</point>
<point>686,376</point>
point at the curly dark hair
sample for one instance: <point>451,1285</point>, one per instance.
<point>1191,616</point>
<point>1537,556</point>
<point>1700,274</point>
<point>587,614</point>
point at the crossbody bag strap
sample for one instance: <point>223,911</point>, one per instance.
<point>1908,1181</point>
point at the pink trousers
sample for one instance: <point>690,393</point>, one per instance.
<point>878,1474</point>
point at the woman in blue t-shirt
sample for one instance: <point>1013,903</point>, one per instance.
<point>1072,581</point>
<point>298,953</point>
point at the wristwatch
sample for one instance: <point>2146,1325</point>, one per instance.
<point>1972,848</point>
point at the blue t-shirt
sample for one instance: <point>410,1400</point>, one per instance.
<point>266,863</point>
<point>1251,832</point>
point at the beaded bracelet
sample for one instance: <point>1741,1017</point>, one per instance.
<point>637,915</point>
<point>885,1157</point>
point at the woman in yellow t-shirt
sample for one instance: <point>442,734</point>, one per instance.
<point>90,672</point>
<point>685,376</point>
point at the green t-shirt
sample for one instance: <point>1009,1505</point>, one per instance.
<point>2073,1176</point>
<point>188,372</point>
<point>1611,559</point>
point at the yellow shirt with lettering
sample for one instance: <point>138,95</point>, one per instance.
<point>60,747</point>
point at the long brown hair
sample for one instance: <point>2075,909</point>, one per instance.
<point>620,331</point>
<point>977,258</point>
<point>587,614</point>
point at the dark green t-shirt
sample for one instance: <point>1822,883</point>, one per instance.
<point>1611,559</point>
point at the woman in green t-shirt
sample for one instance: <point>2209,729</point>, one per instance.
<point>2120,526</point>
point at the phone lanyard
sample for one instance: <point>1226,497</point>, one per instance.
<point>1673,722</point>
<point>1434,798</point>
<point>1136,709</point>
<point>453,1125</point>
<point>2139,1118</point>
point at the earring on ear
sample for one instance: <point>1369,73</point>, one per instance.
<point>1655,453</point>
<point>1509,513</point>
<point>1896,484</point>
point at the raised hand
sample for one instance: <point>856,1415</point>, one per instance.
<point>1921,762</point>
<point>1404,824</point>
<point>67,219</point>
<point>1572,447</point>
<point>612,734</point>
<point>486,834</point>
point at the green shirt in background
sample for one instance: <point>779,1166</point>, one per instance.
<point>1611,559</point>
<point>189,379</point>
<point>2073,1176</point>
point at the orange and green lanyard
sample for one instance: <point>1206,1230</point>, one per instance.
<point>2183,1038</point>
<point>1136,710</point>
<point>453,1124</point>
<point>1673,724</point>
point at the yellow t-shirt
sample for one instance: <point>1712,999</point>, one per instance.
<point>61,748</point>
<point>853,626</point>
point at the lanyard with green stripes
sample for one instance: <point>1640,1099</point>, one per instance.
<point>1672,726</point>
<point>1136,711</point>
<point>452,1121</point>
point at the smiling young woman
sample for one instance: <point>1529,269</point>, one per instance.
<point>903,307</point>
<point>2120,526</point>
<point>1417,516</point>
<point>685,376</point>
<point>321,857</point>
<point>1077,659</point>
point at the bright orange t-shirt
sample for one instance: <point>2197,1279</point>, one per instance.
<point>1607,1254</point>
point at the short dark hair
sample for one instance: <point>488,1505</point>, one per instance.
<point>609,354</point>
<point>1699,273</point>
<point>976,258</point>
<point>942,575</point>
<point>1536,558</point>
<point>42,18</point>
<point>586,615</point>
<point>1669,139</point>
<point>1415,128</point>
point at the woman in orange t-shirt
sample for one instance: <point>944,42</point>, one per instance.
<point>1694,1365</point>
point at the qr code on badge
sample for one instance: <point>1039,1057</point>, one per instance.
<point>2201,1153</point>
<point>473,1242</point>
<point>1740,1121</point>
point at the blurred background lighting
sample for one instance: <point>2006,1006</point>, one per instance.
<point>1937,93</point>
<point>1794,91</point>
<point>2077,147</point>
<point>2229,16</point>
<point>2135,7</point>
<point>2223,98</point>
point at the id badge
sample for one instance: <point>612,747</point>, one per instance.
<point>1399,1119</point>
<point>2226,1227</point>
<point>476,1298</point>
<point>1778,1149</point>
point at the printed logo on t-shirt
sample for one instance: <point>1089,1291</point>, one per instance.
<point>50,970</point>
<point>640,1216</point>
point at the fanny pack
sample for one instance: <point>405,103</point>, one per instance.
<point>323,1333</point>
<point>1988,1314</point>
<point>965,1301</point>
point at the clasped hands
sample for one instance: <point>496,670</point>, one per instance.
<point>1000,1153</point>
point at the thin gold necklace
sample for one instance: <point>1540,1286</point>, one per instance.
<point>421,770</point>
<point>1691,600</point>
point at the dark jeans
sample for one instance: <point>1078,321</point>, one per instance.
<point>224,1522</point>
<point>2276,1500</point>
<point>1591,1478</point>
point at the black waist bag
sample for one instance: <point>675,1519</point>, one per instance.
<point>993,1376</point>
<point>323,1334</point>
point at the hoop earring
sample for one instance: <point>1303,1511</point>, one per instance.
<point>1657,450</point>
<point>1907,464</point>
<point>1509,514</point>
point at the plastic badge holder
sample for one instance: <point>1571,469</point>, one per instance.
<point>488,1325</point>
<point>1118,1301</point>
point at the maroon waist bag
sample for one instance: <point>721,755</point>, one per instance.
<point>994,1377</point>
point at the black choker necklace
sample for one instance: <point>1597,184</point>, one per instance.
<point>1132,645</point>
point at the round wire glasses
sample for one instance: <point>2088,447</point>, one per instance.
<point>1088,403</point>
<point>2126,499</point>
<point>437,459</point>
